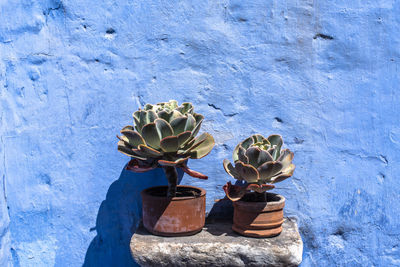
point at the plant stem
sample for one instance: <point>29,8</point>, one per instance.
<point>172,177</point>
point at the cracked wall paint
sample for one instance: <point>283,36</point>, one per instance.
<point>322,74</point>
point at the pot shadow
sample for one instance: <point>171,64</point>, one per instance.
<point>221,214</point>
<point>119,216</point>
<point>219,219</point>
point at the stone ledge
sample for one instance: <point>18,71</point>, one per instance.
<point>218,245</point>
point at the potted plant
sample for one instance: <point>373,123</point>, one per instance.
<point>164,136</point>
<point>259,164</point>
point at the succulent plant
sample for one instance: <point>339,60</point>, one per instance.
<point>259,163</point>
<point>164,136</point>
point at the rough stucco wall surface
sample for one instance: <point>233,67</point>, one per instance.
<point>324,74</point>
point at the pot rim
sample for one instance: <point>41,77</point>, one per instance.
<point>262,204</point>
<point>145,193</point>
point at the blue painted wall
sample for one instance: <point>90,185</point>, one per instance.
<point>324,74</point>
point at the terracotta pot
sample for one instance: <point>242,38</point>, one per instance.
<point>178,216</point>
<point>259,219</point>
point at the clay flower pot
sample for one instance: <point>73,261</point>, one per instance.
<point>179,216</point>
<point>258,219</point>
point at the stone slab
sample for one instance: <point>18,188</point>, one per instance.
<point>218,245</point>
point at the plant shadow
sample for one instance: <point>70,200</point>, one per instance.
<point>119,216</point>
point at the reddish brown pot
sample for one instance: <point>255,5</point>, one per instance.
<point>178,216</point>
<point>259,219</point>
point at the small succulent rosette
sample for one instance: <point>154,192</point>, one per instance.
<point>164,134</point>
<point>259,164</point>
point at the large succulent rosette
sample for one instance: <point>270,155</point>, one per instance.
<point>165,135</point>
<point>259,163</point>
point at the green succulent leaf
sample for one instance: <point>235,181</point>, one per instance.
<point>133,138</point>
<point>230,169</point>
<point>199,120</point>
<point>143,117</point>
<point>276,142</point>
<point>247,172</point>
<point>169,144</point>
<point>257,156</point>
<point>286,158</point>
<point>137,123</point>
<point>128,127</point>
<point>129,151</point>
<point>264,157</point>
<point>271,152</point>
<point>263,144</point>
<point>286,173</point>
<point>151,116</point>
<point>275,154</point>
<point>183,138</point>
<point>173,104</point>
<point>190,143</point>
<point>148,151</point>
<point>163,128</point>
<point>247,142</point>
<point>136,114</point>
<point>202,148</point>
<point>195,143</point>
<point>198,117</point>
<point>190,123</point>
<point>150,135</point>
<point>148,107</point>
<point>253,155</point>
<point>125,140</point>
<point>178,125</point>
<point>184,108</point>
<point>175,114</point>
<point>235,154</point>
<point>269,169</point>
<point>242,155</point>
<point>257,138</point>
<point>122,147</point>
<point>164,115</point>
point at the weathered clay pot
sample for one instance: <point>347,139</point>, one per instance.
<point>259,219</point>
<point>178,216</point>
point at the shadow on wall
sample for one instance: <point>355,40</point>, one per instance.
<point>118,217</point>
